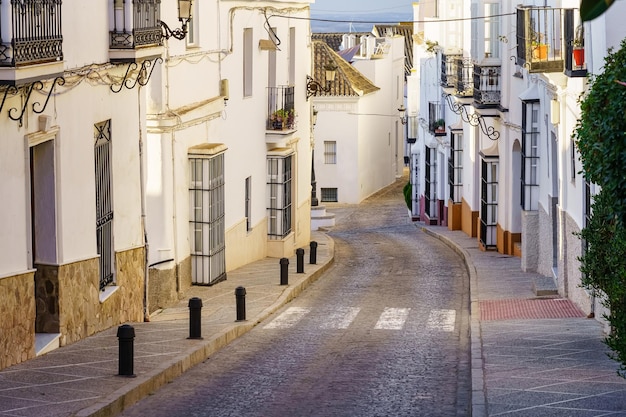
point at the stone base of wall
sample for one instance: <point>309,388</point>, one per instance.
<point>80,310</point>
<point>545,258</point>
<point>166,286</point>
<point>17,326</point>
<point>530,248</point>
<point>506,241</point>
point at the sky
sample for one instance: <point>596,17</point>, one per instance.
<point>371,6</point>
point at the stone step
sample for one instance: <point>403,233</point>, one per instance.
<point>46,342</point>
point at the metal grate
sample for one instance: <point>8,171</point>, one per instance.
<point>530,155</point>
<point>279,193</point>
<point>330,152</point>
<point>145,30</point>
<point>329,195</point>
<point>206,220</point>
<point>430,183</point>
<point>455,167</point>
<point>104,206</point>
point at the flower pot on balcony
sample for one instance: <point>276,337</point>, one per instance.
<point>540,52</point>
<point>579,56</point>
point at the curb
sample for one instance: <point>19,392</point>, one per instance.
<point>479,400</point>
<point>143,385</point>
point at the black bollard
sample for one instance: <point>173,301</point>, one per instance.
<point>195,320</point>
<point>284,271</point>
<point>300,260</point>
<point>240,297</point>
<point>313,253</point>
<point>126,336</point>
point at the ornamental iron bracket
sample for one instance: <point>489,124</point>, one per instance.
<point>27,91</point>
<point>313,87</point>
<point>473,119</point>
<point>143,76</point>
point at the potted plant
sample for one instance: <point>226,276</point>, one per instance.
<point>440,125</point>
<point>578,45</point>
<point>279,119</point>
<point>539,48</point>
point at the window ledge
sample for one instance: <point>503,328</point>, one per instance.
<point>107,292</point>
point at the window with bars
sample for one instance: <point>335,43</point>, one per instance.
<point>279,175</point>
<point>489,202</point>
<point>206,219</point>
<point>430,183</point>
<point>329,195</point>
<point>104,204</point>
<point>330,152</point>
<point>530,155</point>
<point>455,167</point>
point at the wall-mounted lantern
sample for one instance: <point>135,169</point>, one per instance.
<point>184,16</point>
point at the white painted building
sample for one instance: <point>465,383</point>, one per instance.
<point>506,81</point>
<point>138,156</point>
<point>359,131</point>
<point>226,184</point>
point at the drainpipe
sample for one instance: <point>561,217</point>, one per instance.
<point>142,188</point>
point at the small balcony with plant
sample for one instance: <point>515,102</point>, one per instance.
<point>575,65</point>
<point>31,41</point>
<point>540,38</point>
<point>281,115</point>
<point>436,122</point>
<point>135,32</point>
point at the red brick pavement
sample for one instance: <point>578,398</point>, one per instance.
<point>519,309</point>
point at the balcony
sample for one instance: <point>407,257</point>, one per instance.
<point>30,41</point>
<point>456,74</point>
<point>487,84</point>
<point>436,123</point>
<point>540,39</point>
<point>575,65</point>
<point>135,32</point>
<point>281,115</point>
<point>448,69</point>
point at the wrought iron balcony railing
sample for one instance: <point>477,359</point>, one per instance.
<point>281,114</point>
<point>35,30</point>
<point>436,123</point>
<point>135,24</point>
<point>540,38</point>
<point>448,69</point>
<point>463,81</point>
<point>486,85</point>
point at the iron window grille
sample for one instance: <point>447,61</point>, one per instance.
<point>35,29</point>
<point>489,202</point>
<point>430,183</point>
<point>330,152</point>
<point>279,176</point>
<point>206,219</point>
<point>455,167</point>
<point>104,204</point>
<point>530,155</point>
<point>329,195</point>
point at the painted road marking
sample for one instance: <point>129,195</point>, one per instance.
<point>341,318</point>
<point>392,318</point>
<point>442,320</point>
<point>288,318</point>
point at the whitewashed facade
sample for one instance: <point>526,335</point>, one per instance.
<point>359,137</point>
<point>120,146</point>
<point>506,170</point>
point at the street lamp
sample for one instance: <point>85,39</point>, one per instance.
<point>313,86</point>
<point>402,111</point>
<point>184,16</point>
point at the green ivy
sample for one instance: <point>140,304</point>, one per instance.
<point>407,191</point>
<point>604,270</point>
<point>600,133</point>
<point>600,136</point>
